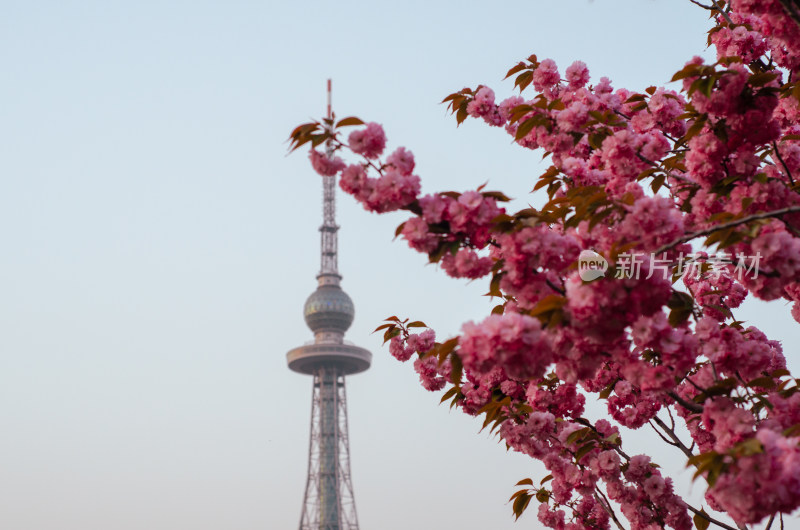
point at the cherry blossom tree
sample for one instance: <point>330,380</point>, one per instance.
<point>665,210</point>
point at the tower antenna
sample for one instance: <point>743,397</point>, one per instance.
<point>329,240</point>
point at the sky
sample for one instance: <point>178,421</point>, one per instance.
<point>158,245</point>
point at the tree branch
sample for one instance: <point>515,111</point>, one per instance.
<point>607,507</point>
<point>711,519</point>
<point>791,10</point>
<point>666,441</point>
<point>677,441</point>
<point>730,224</point>
<point>722,12</point>
<point>688,405</point>
<point>778,154</point>
<point>709,8</point>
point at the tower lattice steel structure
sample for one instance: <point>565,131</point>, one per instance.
<point>329,503</point>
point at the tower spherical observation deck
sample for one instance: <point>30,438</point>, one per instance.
<point>329,312</point>
<point>329,308</point>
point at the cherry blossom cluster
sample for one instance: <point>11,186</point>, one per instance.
<point>666,172</point>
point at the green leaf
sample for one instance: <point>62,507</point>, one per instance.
<point>383,326</point>
<point>390,334</point>
<point>658,181</point>
<point>461,114</point>
<point>521,504</point>
<point>694,129</point>
<point>700,522</point>
<point>584,450</point>
<point>635,97</point>
<point>577,435</point>
<point>607,390</point>
<point>349,121</point>
<point>690,70</point>
<point>524,128</point>
<point>542,495</point>
<point>523,80</point>
<point>548,303</point>
<point>446,347</point>
<point>763,382</point>
<point>762,78</point>
<point>514,69</point>
<point>497,195</point>
<point>449,394</point>
<point>456,370</point>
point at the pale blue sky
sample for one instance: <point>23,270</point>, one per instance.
<point>158,245</point>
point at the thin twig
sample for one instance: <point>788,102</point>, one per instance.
<point>710,8</point>
<point>688,405</point>
<point>554,287</point>
<point>778,154</point>
<point>708,518</point>
<point>666,440</point>
<point>722,12</point>
<point>692,235</point>
<point>677,441</point>
<point>791,9</point>
<point>769,524</point>
<point>607,507</point>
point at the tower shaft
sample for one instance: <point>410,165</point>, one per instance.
<point>329,240</point>
<point>329,503</point>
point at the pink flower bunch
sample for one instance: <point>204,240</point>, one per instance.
<point>466,263</point>
<point>778,258</point>
<point>716,292</point>
<point>738,353</point>
<point>432,376</point>
<point>763,483</point>
<point>403,346</point>
<point>771,19</point>
<point>602,309</point>
<point>325,165</point>
<point>728,423</point>
<point>482,106</point>
<point>649,501</point>
<point>468,217</point>
<point>632,407</point>
<point>368,142</point>
<point>662,113</point>
<point>513,342</point>
<point>577,75</point>
<point>738,40</point>
<point>653,222</point>
<point>402,160</point>
<point>564,401</point>
<point>391,191</point>
<point>546,76</point>
<point>532,257</point>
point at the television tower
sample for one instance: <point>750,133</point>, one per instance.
<point>329,503</point>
